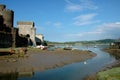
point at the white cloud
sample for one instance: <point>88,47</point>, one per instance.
<point>80,5</point>
<point>82,34</point>
<point>103,31</point>
<point>54,24</point>
<point>73,7</point>
<point>111,30</point>
<point>48,23</point>
<point>88,4</point>
<point>85,19</point>
<point>117,23</point>
<point>57,24</point>
<point>74,35</point>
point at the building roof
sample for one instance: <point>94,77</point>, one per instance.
<point>25,23</point>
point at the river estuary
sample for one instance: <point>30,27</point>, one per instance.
<point>75,71</point>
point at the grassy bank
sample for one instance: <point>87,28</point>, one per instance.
<point>113,52</point>
<point>111,71</point>
<point>111,74</point>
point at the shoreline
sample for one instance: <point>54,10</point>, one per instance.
<point>39,60</point>
<point>115,64</point>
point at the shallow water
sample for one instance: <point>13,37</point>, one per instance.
<point>74,71</point>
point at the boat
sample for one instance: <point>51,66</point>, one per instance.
<point>95,46</point>
<point>67,48</point>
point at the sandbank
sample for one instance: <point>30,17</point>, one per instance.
<point>38,60</point>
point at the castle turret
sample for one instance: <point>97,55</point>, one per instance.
<point>8,16</point>
<point>2,6</point>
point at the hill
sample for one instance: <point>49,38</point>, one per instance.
<point>103,41</point>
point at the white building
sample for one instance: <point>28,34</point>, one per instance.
<point>39,39</point>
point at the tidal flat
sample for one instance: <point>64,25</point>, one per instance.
<point>39,60</point>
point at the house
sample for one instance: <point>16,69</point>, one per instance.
<point>115,45</point>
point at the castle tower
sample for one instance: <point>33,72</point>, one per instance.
<point>7,38</point>
<point>27,29</point>
<point>8,16</point>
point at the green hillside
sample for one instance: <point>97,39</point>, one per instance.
<point>103,41</point>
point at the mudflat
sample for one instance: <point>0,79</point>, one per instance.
<point>37,60</point>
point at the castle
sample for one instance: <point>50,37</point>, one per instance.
<point>23,35</point>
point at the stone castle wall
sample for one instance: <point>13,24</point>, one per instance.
<point>8,34</point>
<point>16,37</point>
<point>8,16</point>
<point>6,27</point>
<point>27,29</point>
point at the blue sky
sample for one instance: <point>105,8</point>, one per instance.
<point>69,20</point>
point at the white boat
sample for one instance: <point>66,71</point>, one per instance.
<point>95,46</point>
<point>85,62</point>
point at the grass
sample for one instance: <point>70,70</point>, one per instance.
<point>111,74</point>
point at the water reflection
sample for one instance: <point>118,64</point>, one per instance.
<point>16,75</point>
<point>26,74</point>
<point>9,76</point>
<point>76,71</point>
<point>115,55</point>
